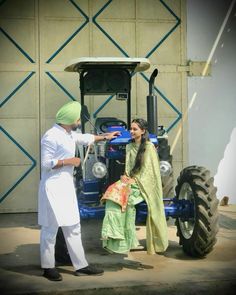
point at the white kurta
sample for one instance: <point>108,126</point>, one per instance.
<point>57,196</point>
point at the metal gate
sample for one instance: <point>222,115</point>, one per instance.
<point>37,39</point>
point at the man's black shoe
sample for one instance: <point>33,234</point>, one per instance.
<point>89,270</point>
<point>52,274</point>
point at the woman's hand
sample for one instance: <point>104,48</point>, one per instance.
<point>126,179</point>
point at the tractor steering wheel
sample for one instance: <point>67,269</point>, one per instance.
<point>109,123</point>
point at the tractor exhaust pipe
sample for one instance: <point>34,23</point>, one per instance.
<point>152,106</point>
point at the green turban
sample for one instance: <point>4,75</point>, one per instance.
<point>69,113</point>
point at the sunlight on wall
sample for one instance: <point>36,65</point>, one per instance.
<point>225,179</point>
<point>209,59</point>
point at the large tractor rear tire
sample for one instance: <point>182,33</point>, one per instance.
<point>197,235</point>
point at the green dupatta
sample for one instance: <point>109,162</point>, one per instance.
<point>149,182</point>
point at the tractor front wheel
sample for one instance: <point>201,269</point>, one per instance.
<point>197,234</point>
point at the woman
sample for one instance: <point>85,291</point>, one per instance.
<point>141,182</point>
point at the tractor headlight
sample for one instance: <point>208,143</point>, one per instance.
<point>99,170</point>
<point>165,168</point>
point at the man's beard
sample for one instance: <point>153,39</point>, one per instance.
<point>75,127</point>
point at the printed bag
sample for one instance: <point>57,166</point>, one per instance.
<point>118,192</point>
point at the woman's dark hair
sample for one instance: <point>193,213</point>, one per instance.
<point>140,154</point>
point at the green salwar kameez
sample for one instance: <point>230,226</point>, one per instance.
<point>118,229</point>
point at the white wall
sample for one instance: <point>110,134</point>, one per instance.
<point>212,117</point>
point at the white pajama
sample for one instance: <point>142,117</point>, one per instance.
<point>72,235</point>
<point>58,204</point>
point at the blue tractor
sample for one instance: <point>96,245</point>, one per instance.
<point>193,203</point>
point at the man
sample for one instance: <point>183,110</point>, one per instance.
<point>57,197</point>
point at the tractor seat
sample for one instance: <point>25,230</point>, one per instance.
<point>102,124</point>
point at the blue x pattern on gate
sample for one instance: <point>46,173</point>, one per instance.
<point>5,101</point>
<point>60,48</point>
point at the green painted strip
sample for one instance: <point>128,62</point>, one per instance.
<point>104,32</point>
<point>102,106</point>
<point>3,197</point>
<point>168,33</point>
<point>17,45</point>
<point>73,35</point>
<point>16,89</point>
<point>60,86</point>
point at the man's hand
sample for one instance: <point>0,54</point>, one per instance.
<point>107,136</point>
<point>74,161</point>
<point>111,135</point>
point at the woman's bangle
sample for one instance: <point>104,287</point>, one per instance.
<point>62,163</point>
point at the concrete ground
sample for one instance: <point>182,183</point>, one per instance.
<point>135,273</point>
